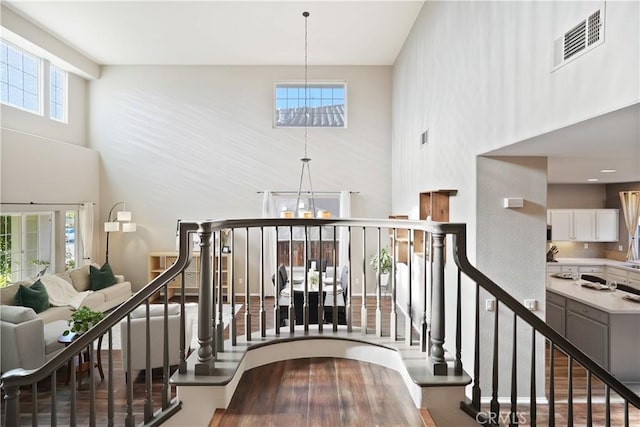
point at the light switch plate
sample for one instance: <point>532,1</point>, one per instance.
<point>531,304</point>
<point>490,305</point>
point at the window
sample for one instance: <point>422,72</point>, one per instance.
<point>57,93</point>
<point>70,247</point>
<point>19,78</point>
<point>323,103</point>
<point>25,246</point>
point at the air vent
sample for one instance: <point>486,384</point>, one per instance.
<point>424,138</point>
<point>580,39</point>
<point>575,40</point>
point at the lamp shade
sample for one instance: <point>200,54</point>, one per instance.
<point>111,226</point>
<point>128,227</point>
<point>124,215</point>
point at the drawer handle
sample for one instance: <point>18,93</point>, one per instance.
<point>584,310</point>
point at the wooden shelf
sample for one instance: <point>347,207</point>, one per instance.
<point>434,204</point>
<point>160,261</point>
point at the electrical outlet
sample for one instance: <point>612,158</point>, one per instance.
<point>586,246</point>
<point>240,280</point>
<point>490,305</point>
<point>531,304</point>
<point>620,248</point>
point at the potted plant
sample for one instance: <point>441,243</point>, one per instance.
<point>385,261</point>
<point>82,319</point>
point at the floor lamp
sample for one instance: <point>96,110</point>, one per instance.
<point>111,226</point>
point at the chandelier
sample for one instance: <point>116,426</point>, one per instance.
<point>311,209</point>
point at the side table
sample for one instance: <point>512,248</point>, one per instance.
<point>84,361</point>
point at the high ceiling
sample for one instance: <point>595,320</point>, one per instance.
<point>227,32</point>
<point>341,32</point>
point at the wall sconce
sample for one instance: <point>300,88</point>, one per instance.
<point>112,226</point>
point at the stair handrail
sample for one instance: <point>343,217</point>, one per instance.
<point>15,378</point>
<point>461,260</point>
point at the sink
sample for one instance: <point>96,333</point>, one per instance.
<point>634,266</point>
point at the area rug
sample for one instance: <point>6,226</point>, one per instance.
<point>191,309</point>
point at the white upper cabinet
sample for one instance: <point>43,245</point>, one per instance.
<point>607,225</point>
<point>584,225</point>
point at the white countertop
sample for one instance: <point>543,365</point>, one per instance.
<point>595,262</point>
<point>602,300</point>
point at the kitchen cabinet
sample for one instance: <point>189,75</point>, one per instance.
<point>608,337</point>
<point>589,335</point>
<point>555,312</point>
<point>584,225</point>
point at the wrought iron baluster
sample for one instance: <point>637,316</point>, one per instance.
<point>552,386</point>
<point>247,291</point>
<point>363,307</point>
<point>532,400</point>
<point>393,316</point>
<point>570,394</point>
<point>589,407</point>
<point>457,367</point>
<point>475,392</point>
<point>495,405</point>
<point>514,374</point>
<point>263,312</point>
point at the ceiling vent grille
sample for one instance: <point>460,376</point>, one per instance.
<point>586,35</point>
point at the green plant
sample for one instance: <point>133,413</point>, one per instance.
<point>82,319</point>
<point>386,260</point>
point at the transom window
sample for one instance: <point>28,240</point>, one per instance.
<point>57,92</point>
<point>317,105</point>
<point>19,78</point>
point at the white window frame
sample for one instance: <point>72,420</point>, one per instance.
<point>23,268</point>
<point>310,85</point>
<point>39,79</point>
<point>63,102</point>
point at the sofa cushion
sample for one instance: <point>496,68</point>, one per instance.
<point>80,278</point>
<point>55,313</point>
<point>52,332</point>
<point>100,278</point>
<point>16,314</point>
<point>94,300</point>
<point>34,296</point>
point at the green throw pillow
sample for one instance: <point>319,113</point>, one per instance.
<point>101,278</point>
<point>34,297</point>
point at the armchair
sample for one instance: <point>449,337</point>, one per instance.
<point>156,327</point>
<point>26,341</point>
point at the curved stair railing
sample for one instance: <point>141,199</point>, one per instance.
<point>408,320</point>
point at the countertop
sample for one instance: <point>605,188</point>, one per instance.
<point>602,300</point>
<point>595,262</point>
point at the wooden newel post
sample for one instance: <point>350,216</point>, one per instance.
<point>437,362</point>
<point>206,361</point>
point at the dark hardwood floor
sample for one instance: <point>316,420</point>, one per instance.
<point>321,392</point>
<point>313,392</point>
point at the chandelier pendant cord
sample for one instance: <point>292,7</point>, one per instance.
<point>306,159</point>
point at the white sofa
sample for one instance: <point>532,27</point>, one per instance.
<point>29,339</point>
<point>156,328</point>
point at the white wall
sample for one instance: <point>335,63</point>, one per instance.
<point>197,142</point>
<point>478,76</point>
